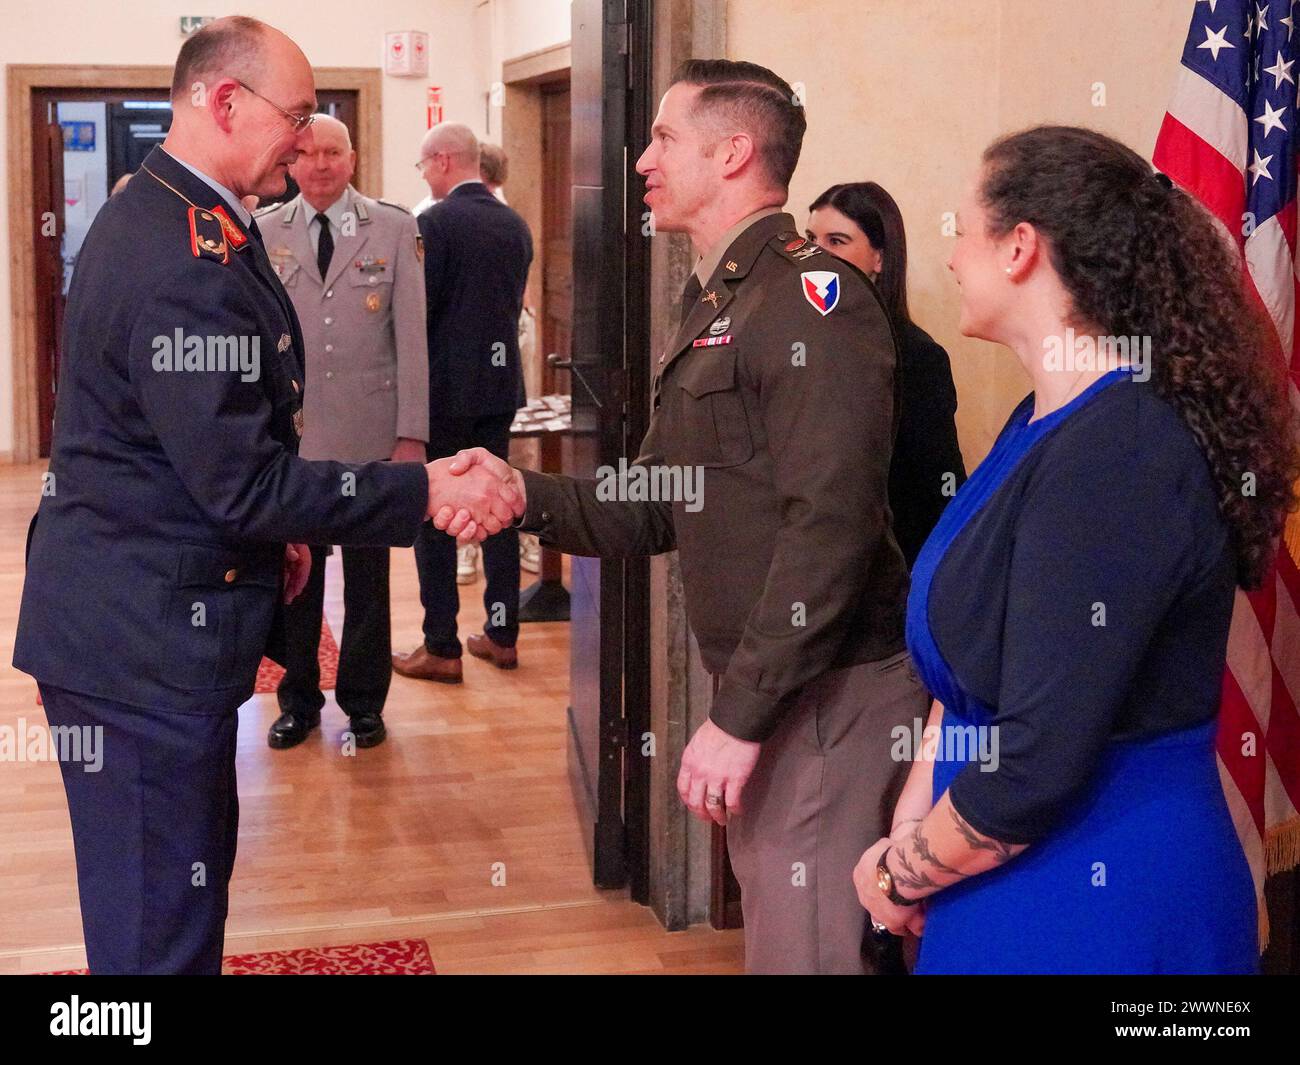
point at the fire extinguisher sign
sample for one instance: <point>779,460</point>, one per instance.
<point>434,107</point>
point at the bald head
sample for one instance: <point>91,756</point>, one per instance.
<point>227,47</point>
<point>239,92</point>
<point>329,130</point>
<point>325,168</point>
<point>449,154</point>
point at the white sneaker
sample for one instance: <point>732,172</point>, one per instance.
<point>467,564</point>
<point>530,553</point>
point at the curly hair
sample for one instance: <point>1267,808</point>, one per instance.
<point>1139,257</point>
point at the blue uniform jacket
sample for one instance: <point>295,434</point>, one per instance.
<point>154,560</point>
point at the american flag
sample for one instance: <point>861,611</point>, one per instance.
<point>1229,138</point>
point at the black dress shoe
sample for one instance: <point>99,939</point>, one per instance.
<point>368,729</point>
<point>290,729</point>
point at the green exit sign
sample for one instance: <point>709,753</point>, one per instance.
<point>190,23</point>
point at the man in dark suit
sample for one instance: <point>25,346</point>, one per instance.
<point>477,254</point>
<point>176,509</point>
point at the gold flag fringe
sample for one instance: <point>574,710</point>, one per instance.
<point>1281,854</point>
<point>1291,533</point>
<point>1282,847</point>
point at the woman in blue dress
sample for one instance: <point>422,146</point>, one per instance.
<point>1070,611</point>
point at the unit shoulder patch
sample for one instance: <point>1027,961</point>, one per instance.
<point>821,288</point>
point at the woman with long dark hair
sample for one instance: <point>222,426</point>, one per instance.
<point>1070,612</point>
<point>860,223</point>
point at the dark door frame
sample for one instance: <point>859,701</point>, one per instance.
<point>611,86</point>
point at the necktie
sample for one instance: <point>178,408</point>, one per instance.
<point>690,294</point>
<point>324,249</point>
<point>254,232</point>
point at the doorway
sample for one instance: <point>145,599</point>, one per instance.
<point>86,142</point>
<point>609,713</point>
<point>572,181</point>
<point>73,130</point>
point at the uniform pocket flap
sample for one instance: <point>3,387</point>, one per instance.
<point>202,566</point>
<point>708,372</point>
<point>378,381</point>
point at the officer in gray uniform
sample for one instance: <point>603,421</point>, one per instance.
<point>352,267</point>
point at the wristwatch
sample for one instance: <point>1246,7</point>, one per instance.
<point>885,882</point>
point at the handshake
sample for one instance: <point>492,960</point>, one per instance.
<point>474,495</point>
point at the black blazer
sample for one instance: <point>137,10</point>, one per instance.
<point>926,451</point>
<point>477,252</point>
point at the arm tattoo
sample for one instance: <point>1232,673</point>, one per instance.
<point>911,877</point>
<point>1003,852</point>
<point>922,847</point>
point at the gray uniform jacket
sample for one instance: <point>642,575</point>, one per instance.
<point>363,327</point>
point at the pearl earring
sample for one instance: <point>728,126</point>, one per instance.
<point>1008,269</point>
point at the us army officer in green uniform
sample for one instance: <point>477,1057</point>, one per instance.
<point>780,386</point>
<point>352,267</point>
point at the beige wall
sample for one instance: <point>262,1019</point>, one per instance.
<point>508,29</point>
<point>331,32</point>
<point>908,93</point>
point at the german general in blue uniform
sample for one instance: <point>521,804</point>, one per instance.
<point>155,560</point>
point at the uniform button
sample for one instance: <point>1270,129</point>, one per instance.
<point>329,373</point>
<point>546,515</point>
<point>231,574</point>
<point>374,280</point>
<point>388,384</point>
<point>329,321</point>
<point>329,293</point>
<point>329,347</point>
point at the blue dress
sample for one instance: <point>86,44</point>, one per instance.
<point>1142,871</point>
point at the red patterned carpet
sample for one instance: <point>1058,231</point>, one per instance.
<point>396,957</point>
<point>269,674</point>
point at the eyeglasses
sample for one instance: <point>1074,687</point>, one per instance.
<point>427,159</point>
<point>300,122</point>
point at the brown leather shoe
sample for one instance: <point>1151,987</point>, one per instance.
<point>481,646</point>
<point>422,664</point>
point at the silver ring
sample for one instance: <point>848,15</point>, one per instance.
<point>712,800</point>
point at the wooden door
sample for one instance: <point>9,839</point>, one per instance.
<point>557,237</point>
<point>49,230</point>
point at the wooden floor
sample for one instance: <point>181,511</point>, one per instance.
<point>409,839</point>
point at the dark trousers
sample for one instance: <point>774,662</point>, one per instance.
<point>435,552</point>
<point>154,830</point>
<point>365,665</point>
